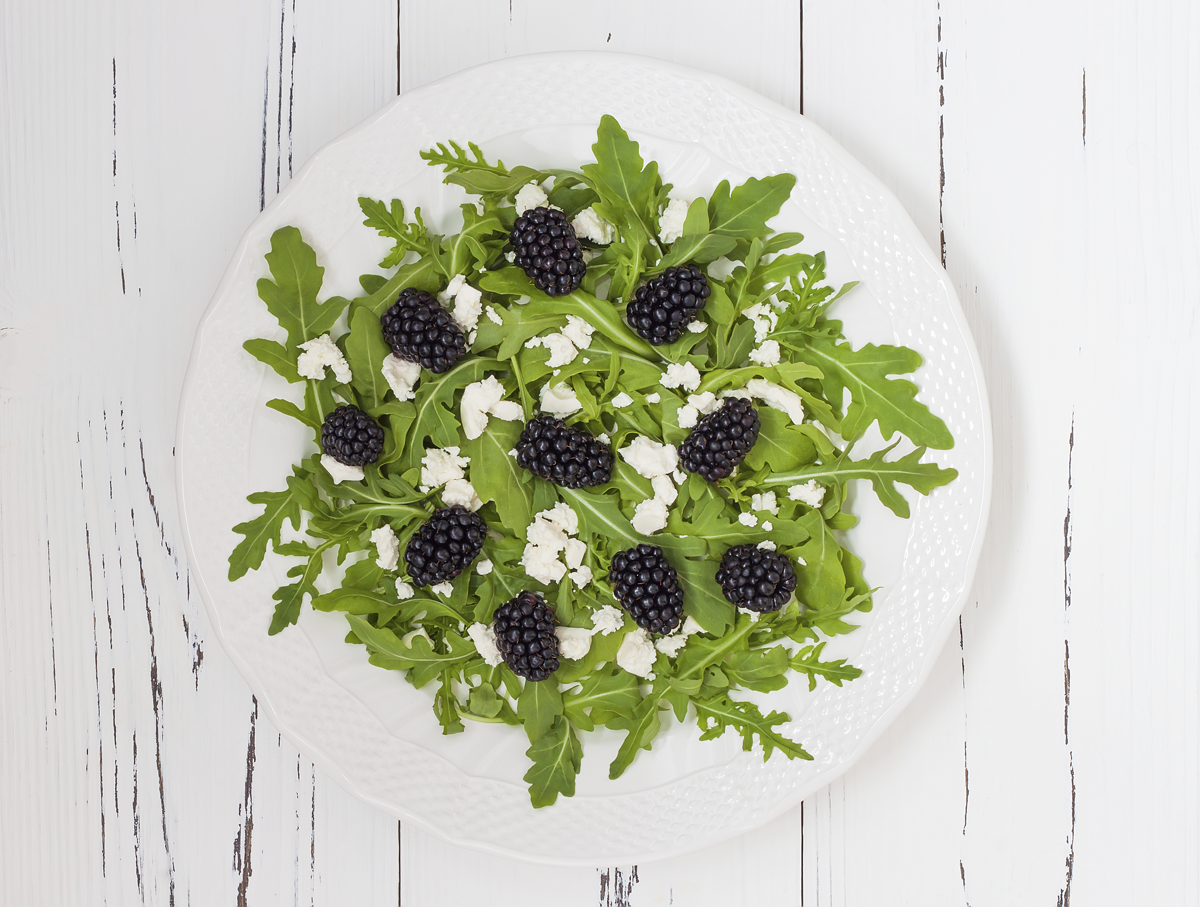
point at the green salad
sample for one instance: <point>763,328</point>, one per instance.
<point>584,461</point>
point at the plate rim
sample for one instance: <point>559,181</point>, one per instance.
<point>937,638</point>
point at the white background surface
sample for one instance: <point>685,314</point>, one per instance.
<point>1052,148</point>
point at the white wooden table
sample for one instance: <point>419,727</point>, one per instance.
<point>1048,148</point>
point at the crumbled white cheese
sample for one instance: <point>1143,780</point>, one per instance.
<point>765,501</point>
<point>697,326</point>
<point>691,627</point>
<point>683,375</point>
<point>573,642</point>
<point>664,489</point>
<point>621,400</point>
<point>607,620</point>
<point>706,403</point>
<point>670,645</point>
<point>753,615</point>
<point>590,225</point>
<point>603,438</point>
<point>768,545</point>
<point>341,472</point>
<point>548,535</point>
<point>578,331</point>
<point>574,553</point>
<point>687,416</point>
<point>530,196</point>
<point>492,315</point>
<point>468,303</point>
<point>319,353</point>
<point>764,317</point>
<point>401,376</point>
<point>766,354</point>
<point>679,476</point>
<point>484,567</point>
<point>542,564</point>
<point>404,591</point>
<point>637,653</point>
<point>777,397</point>
<point>748,519</point>
<point>445,589</point>
<point>386,547</point>
<point>670,222</point>
<point>809,493</point>
<point>581,576</point>
<point>559,400</point>
<point>649,458</point>
<point>562,350</point>
<point>481,399</point>
<point>484,638</point>
<point>561,517</point>
<point>767,526</point>
<point>649,516</point>
<point>653,398</point>
<point>462,493</point>
<point>510,257</point>
<point>442,465</point>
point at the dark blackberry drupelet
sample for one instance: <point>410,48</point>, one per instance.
<point>444,546</point>
<point>418,329</point>
<point>352,437</point>
<point>647,587</point>
<point>662,308</point>
<point>548,251</point>
<point>720,440</point>
<point>569,457</point>
<point>524,628</point>
<point>756,579</point>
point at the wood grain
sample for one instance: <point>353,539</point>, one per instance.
<point>1047,150</point>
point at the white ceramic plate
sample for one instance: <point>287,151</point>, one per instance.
<point>374,733</point>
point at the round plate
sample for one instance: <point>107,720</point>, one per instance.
<point>371,731</point>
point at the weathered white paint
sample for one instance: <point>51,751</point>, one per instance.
<point>133,758</point>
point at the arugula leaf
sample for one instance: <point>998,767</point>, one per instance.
<point>539,706</point>
<point>643,725</point>
<point>875,398</point>
<point>705,602</point>
<point>435,419</point>
<point>556,757</point>
<point>498,478</point>
<point>744,212</point>
<point>274,355</point>
<point>758,669</point>
<point>290,598</point>
<point>365,351</point>
<point>718,714</point>
<point>419,659</point>
<point>476,175</point>
<point>446,706</point>
<point>391,224</point>
<point>630,190</point>
<point>908,470</point>
<point>808,661</point>
<point>266,527</point>
<point>292,296</point>
<point>605,695</point>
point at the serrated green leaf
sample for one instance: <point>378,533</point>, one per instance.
<point>702,596</point>
<point>744,212</point>
<point>625,184</point>
<point>604,696</point>
<point>720,713</point>
<point>808,661</point>
<point>274,355</point>
<point>365,351</point>
<point>539,706</point>
<point>419,659</point>
<point>266,527</point>
<point>497,477</point>
<point>556,757</point>
<point>883,475</point>
<point>642,725</point>
<point>292,296</point>
<point>874,397</point>
<point>758,669</point>
<point>436,419</point>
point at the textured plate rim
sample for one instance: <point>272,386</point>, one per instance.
<point>937,638</point>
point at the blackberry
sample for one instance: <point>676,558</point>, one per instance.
<point>547,250</point>
<point>664,306</point>
<point>524,629</point>
<point>569,457</point>
<point>720,440</point>
<point>756,579</point>
<point>444,546</point>
<point>646,585</point>
<point>352,437</point>
<point>418,329</point>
